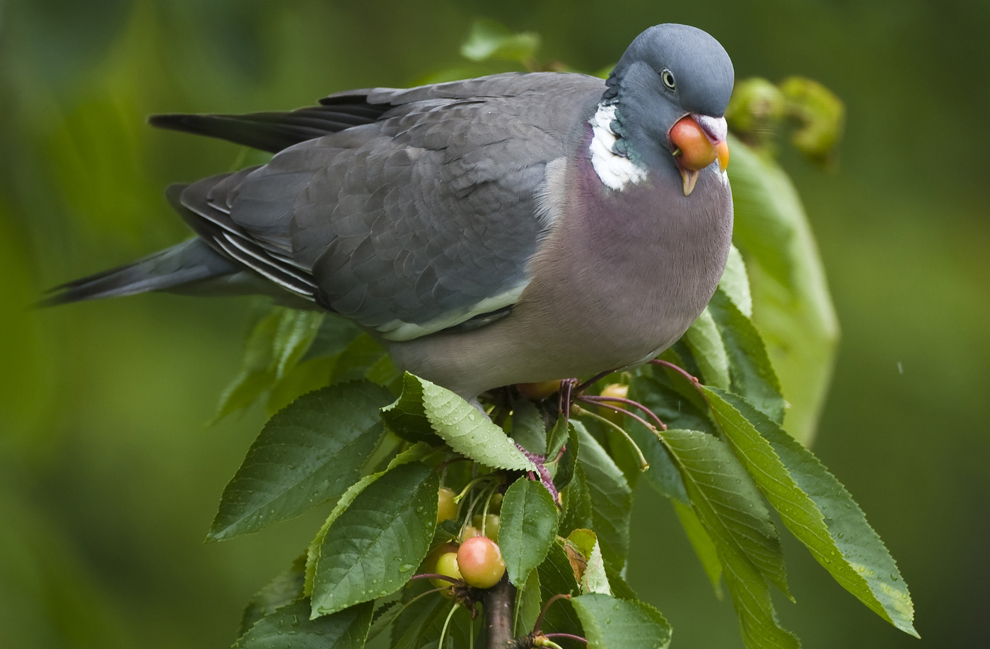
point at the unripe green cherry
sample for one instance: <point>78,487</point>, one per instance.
<point>480,562</point>
<point>537,391</point>
<point>446,566</point>
<point>495,504</point>
<point>429,564</point>
<point>468,532</point>
<point>446,507</point>
<point>490,525</point>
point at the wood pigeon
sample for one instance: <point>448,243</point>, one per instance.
<point>514,228</point>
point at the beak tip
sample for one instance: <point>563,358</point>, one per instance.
<point>690,178</point>
<point>722,150</point>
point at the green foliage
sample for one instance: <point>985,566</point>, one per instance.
<point>307,454</point>
<point>281,591</point>
<point>290,627</point>
<point>465,429</point>
<point>612,623</point>
<point>491,40</point>
<point>702,543</point>
<point>792,306</point>
<point>749,366</point>
<point>610,496</point>
<point>566,479</point>
<point>816,508</point>
<point>529,602</point>
<point>273,348</point>
<point>727,502</point>
<point>528,527</point>
<point>751,597</point>
<point>594,577</point>
<point>370,550</point>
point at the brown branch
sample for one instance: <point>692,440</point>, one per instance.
<point>498,603</point>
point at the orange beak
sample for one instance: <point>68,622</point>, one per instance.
<point>698,141</point>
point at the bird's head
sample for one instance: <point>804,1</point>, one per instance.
<point>670,89</point>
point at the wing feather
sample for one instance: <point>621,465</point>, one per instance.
<point>420,214</point>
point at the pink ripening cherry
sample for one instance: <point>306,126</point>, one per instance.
<point>480,562</point>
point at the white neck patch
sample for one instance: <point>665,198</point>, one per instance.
<point>614,170</point>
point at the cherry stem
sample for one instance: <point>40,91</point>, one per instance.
<point>543,641</point>
<point>444,465</point>
<point>446,623</point>
<point>643,464</point>
<point>648,425</point>
<point>435,575</point>
<point>539,461</point>
<point>569,636</point>
<point>564,398</point>
<point>459,497</point>
<point>690,377</point>
<point>632,403</point>
<point>539,620</point>
<point>597,377</point>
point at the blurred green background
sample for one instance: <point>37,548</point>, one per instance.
<point>109,475</point>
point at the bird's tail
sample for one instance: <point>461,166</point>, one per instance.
<point>176,269</point>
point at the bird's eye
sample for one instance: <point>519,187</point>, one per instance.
<point>668,78</point>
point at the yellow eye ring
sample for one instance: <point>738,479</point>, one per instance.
<point>668,78</point>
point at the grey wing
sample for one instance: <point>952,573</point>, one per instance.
<point>423,219</point>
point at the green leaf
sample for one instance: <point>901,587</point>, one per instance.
<point>527,528</point>
<point>611,623</point>
<point>752,374</point>
<point>296,331</point>
<point>735,282</point>
<point>557,437</point>
<point>358,360</point>
<point>333,336</point>
<point>593,579</point>
<point>577,504</point>
<point>491,40</point>
<point>373,547</point>
<point>424,406</point>
<point>420,619</point>
<point>281,591</point>
<point>384,372</point>
<point>754,608</point>
<point>611,497</point>
<point>406,417</point>
<point>384,616</point>
<point>529,603</point>
<point>727,502</point>
<point>672,397</point>
<point>794,311</point>
<point>274,346</point>
<point>316,545</point>
<point>290,628</point>
<point>563,466</point>
<point>817,509</point>
<point>703,545</point>
<point>618,585</point>
<point>622,452</point>
<point>419,626</point>
<point>305,377</point>
<point>307,454</point>
<point>527,427</point>
<point>705,343</point>
<point>414,453</point>
<point>257,367</point>
<point>662,475</point>
<point>556,578</point>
